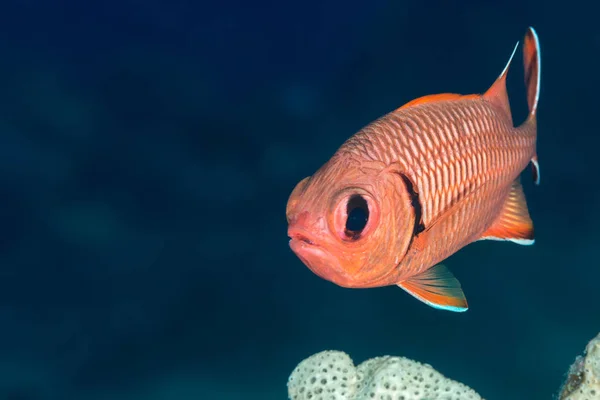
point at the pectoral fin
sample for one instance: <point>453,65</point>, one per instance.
<point>438,288</point>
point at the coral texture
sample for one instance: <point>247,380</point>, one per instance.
<point>583,380</point>
<point>331,375</point>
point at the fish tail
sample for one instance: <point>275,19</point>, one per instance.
<point>532,65</point>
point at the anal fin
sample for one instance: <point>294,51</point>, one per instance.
<point>513,223</point>
<point>438,288</point>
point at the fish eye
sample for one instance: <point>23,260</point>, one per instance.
<point>354,215</point>
<point>357,211</point>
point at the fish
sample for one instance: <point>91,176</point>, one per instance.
<point>418,184</point>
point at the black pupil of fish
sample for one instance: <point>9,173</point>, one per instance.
<point>358,216</point>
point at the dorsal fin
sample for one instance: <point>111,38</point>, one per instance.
<point>431,98</point>
<point>513,223</point>
<point>497,94</point>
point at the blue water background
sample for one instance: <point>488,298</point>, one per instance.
<point>147,150</point>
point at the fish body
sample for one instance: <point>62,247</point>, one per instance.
<point>418,184</point>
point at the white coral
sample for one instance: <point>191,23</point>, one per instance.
<point>583,381</point>
<point>331,375</point>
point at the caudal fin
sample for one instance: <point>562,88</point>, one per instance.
<point>532,64</point>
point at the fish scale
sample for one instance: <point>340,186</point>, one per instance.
<point>426,134</point>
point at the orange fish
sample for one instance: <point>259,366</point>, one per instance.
<point>418,184</point>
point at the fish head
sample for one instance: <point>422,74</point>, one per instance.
<point>351,222</point>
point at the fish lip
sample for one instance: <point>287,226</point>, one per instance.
<point>299,235</point>
<point>319,261</point>
<point>308,251</point>
<point>316,255</point>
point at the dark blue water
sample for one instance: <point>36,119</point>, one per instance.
<point>147,151</point>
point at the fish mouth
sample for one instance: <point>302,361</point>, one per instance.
<point>300,236</point>
<point>317,257</point>
<point>303,243</point>
<point>306,248</point>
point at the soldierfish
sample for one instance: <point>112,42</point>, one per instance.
<point>418,184</point>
